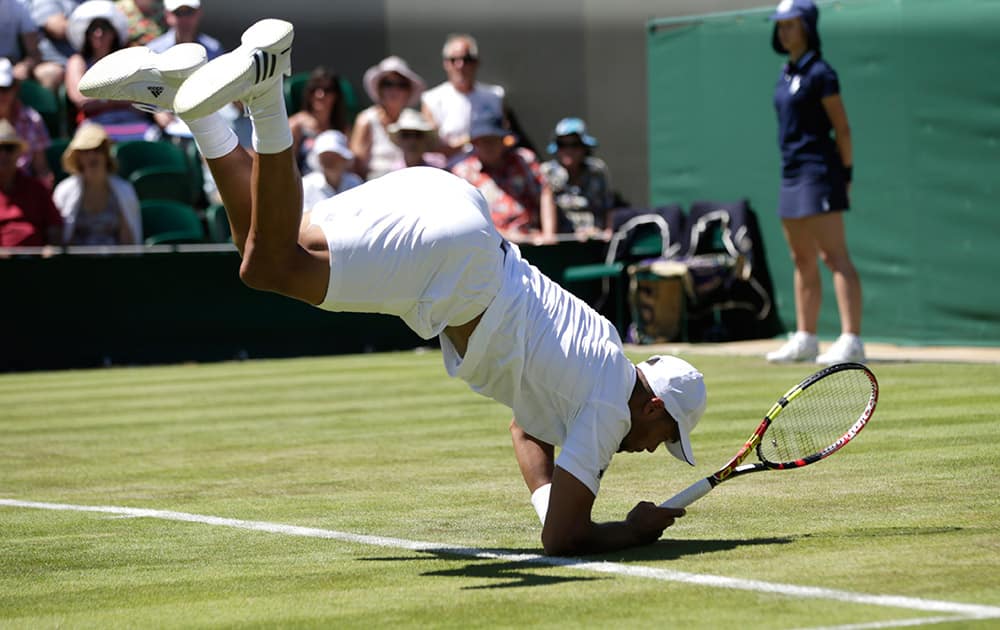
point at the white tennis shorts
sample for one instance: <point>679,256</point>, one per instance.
<point>417,243</point>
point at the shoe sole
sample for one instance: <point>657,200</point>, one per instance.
<point>140,65</point>
<point>226,79</point>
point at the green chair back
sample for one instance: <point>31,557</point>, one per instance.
<point>53,155</point>
<point>43,101</point>
<point>219,230</point>
<point>137,154</point>
<point>165,221</point>
<point>156,182</point>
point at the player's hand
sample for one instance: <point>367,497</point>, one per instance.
<point>647,521</point>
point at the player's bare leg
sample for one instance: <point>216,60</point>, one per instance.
<point>273,257</point>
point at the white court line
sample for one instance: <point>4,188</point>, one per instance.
<point>966,611</point>
<point>896,623</point>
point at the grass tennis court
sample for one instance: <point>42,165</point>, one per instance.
<point>387,447</point>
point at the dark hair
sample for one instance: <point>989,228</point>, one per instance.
<point>322,78</point>
<point>88,50</point>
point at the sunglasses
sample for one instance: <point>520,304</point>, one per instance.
<point>9,148</point>
<point>464,59</point>
<point>402,85</point>
<point>569,145</point>
<point>411,134</point>
<point>185,12</point>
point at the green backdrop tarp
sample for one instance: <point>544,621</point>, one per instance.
<point>921,83</point>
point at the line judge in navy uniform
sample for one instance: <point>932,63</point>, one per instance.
<point>815,142</point>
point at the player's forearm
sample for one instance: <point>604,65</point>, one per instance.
<point>534,457</point>
<point>597,538</point>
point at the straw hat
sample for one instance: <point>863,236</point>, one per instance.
<point>412,120</point>
<point>8,135</point>
<point>387,66</point>
<point>83,15</point>
<point>88,136</point>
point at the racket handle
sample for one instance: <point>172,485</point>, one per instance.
<point>689,495</point>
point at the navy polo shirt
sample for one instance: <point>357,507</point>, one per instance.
<point>804,137</point>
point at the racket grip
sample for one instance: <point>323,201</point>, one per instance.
<point>689,495</point>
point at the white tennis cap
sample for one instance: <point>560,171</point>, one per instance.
<point>682,389</point>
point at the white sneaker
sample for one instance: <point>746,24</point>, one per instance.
<point>846,349</point>
<point>142,76</point>
<point>252,69</point>
<point>801,346</point>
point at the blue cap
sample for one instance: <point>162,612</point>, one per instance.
<point>571,127</point>
<point>802,9</point>
<point>482,126</point>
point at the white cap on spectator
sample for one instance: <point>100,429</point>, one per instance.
<point>173,5</point>
<point>6,72</point>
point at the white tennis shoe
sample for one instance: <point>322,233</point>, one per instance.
<point>847,348</point>
<point>142,76</point>
<point>252,69</point>
<point>801,346</point>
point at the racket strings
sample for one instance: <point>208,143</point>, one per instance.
<point>817,417</point>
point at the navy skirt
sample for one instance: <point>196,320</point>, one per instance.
<point>809,194</point>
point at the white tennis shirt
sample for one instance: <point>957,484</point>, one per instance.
<point>557,363</point>
<point>419,243</point>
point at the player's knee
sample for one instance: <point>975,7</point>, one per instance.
<point>257,272</point>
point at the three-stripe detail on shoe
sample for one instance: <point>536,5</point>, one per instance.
<point>264,65</point>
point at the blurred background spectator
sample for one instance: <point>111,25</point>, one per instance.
<point>323,109</point>
<point>580,183</point>
<point>510,179</point>
<point>97,206</point>
<point>454,104</point>
<point>27,216</point>
<point>417,138</point>
<point>392,86</point>
<point>184,19</point>
<point>52,19</point>
<point>27,122</point>
<point>19,38</point>
<point>330,161</point>
<point>97,29</point>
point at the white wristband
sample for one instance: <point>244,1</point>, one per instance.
<point>540,499</point>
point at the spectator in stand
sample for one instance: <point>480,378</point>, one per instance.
<point>97,206</point>
<point>417,138</point>
<point>330,161</point>
<point>454,104</point>
<point>510,180</point>
<point>323,109</point>
<point>27,123</point>
<point>27,216</point>
<point>580,184</point>
<point>392,86</point>
<point>19,38</point>
<point>184,19</point>
<point>52,18</point>
<point>96,29</point>
<point>145,20</point>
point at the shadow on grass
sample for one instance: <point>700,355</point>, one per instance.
<point>514,568</point>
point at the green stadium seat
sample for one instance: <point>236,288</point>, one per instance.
<point>53,155</point>
<point>219,230</point>
<point>165,221</point>
<point>45,102</point>
<point>159,182</point>
<point>137,154</point>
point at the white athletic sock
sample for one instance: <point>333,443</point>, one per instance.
<point>271,133</point>
<point>213,135</point>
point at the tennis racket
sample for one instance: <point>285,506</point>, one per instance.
<point>817,418</point>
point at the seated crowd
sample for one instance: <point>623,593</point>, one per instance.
<point>74,196</point>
